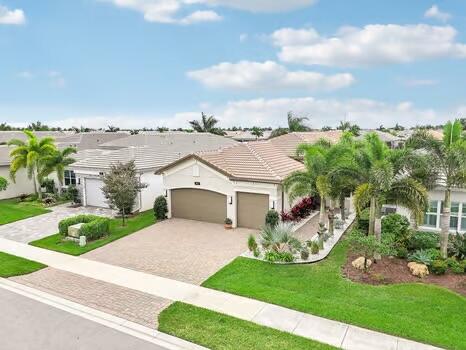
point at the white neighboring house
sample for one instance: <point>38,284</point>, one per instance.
<point>23,184</point>
<point>149,152</point>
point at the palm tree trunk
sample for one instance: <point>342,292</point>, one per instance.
<point>445,223</point>
<point>331,219</point>
<point>34,182</point>
<point>372,210</point>
<point>378,229</point>
<point>322,210</point>
<point>342,207</point>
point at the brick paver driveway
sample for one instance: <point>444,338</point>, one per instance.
<point>40,226</point>
<point>184,250</point>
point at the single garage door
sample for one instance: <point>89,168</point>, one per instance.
<point>201,205</point>
<point>251,209</point>
<point>94,194</point>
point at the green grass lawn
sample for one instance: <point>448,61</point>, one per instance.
<point>136,223</point>
<point>421,312</point>
<point>220,332</point>
<point>11,265</point>
<point>13,210</point>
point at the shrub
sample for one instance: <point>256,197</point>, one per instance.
<point>300,210</point>
<point>457,246</point>
<point>71,193</point>
<point>279,238</point>
<point>363,220</point>
<point>398,226</point>
<point>423,240</point>
<point>272,218</point>
<point>421,256</point>
<point>314,247</point>
<point>49,185</point>
<point>95,229</point>
<point>366,245</point>
<point>228,221</point>
<point>160,208</point>
<point>463,264</point>
<point>273,256</point>
<point>304,253</point>
<point>73,220</point>
<point>286,216</point>
<point>439,267</point>
<point>256,252</point>
<point>402,252</point>
<point>455,266</point>
<point>252,244</point>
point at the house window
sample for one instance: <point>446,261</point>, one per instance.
<point>463,217</point>
<point>430,217</point>
<point>70,177</point>
<point>455,209</point>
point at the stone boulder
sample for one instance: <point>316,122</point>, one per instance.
<point>359,263</point>
<point>419,270</point>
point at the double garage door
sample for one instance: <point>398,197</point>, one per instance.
<point>209,206</point>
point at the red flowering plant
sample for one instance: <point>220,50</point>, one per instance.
<point>300,210</point>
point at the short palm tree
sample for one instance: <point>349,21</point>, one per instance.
<point>29,155</point>
<point>206,124</point>
<point>449,157</point>
<point>296,123</point>
<point>57,162</point>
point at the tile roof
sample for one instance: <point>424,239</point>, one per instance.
<point>6,136</point>
<point>88,140</point>
<point>255,161</point>
<point>289,142</point>
<point>246,135</point>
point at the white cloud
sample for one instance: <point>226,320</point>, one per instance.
<point>247,75</point>
<point>420,82</point>
<point>374,44</point>
<point>26,75</point>
<point>262,5</point>
<point>11,16</point>
<point>201,16</point>
<point>435,13</point>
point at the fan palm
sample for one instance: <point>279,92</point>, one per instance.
<point>449,157</point>
<point>57,162</point>
<point>206,124</point>
<point>29,155</point>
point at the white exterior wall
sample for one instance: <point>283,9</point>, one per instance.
<point>22,185</point>
<point>186,174</point>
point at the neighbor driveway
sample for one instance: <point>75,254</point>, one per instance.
<point>43,225</point>
<point>184,250</point>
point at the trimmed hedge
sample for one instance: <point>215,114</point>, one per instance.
<point>94,227</point>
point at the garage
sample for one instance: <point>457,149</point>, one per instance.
<point>94,194</point>
<point>201,205</point>
<point>251,209</point>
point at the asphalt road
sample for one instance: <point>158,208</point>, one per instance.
<point>27,324</point>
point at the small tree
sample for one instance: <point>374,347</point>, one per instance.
<point>366,245</point>
<point>121,186</point>
<point>3,184</point>
<point>272,218</point>
<point>160,208</point>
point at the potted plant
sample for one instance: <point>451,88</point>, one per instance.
<point>228,224</point>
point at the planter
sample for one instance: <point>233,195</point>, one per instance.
<point>228,226</point>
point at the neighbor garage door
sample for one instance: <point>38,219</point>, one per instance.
<point>201,205</point>
<point>94,195</point>
<point>252,208</point>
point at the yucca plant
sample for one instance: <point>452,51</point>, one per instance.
<point>279,238</point>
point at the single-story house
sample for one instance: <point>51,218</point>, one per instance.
<point>241,182</point>
<point>288,143</point>
<point>149,152</point>
<point>22,185</point>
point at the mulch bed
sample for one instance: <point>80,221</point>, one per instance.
<point>394,270</point>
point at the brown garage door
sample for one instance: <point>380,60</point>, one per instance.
<point>201,205</point>
<point>251,209</point>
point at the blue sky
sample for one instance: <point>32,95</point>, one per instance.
<point>136,63</point>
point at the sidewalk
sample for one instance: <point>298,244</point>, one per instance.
<point>305,325</point>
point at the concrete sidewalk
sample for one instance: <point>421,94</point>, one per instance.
<point>312,327</point>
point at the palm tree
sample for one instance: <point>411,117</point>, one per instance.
<point>386,181</point>
<point>257,132</point>
<point>58,161</point>
<point>206,124</point>
<point>296,124</point>
<point>29,154</point>
<point>449,157</point>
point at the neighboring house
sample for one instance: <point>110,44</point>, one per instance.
<point>149,152</point>
<point>23,184</point>
<point>246,135</point>
<point>241,182</point>
<point>392,141</point>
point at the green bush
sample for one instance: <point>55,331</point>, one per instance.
<point>423,240</point>
<point>363,220</point>
<point>439,267</point>
<point>272,218</point>
<point>304,253</point>
<point>73,220</point>
<point>160,208</point>
<point>273,256</point>
<point>421,256</point>
<point>252,243</point>
<point>455,266</point>
<point>397,226</point>
<point>402,252</point>
<point>457,245</point>
<point>95,229</point>
<point>314,247</point>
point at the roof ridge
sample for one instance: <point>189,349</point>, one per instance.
<point>260,159</point>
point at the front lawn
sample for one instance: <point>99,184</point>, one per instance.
<point>417,311</point>
<point>220,332</point>
<point>11,265</point>
<point>13,210</point>
<point>136,223</point>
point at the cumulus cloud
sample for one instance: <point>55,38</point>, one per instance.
<point>435,13</point>
<point>420,82</point>
<point>262,5</point>
<point>201,16</point>
<point>14,17</point>
<point>247,75</point>
<point>374,44</point>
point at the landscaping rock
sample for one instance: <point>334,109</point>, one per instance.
<point>419,270</point>
<point>73,230</point>
<point>359,263</point>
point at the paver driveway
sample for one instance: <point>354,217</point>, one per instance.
<point>184,250</point>
<point>40,226</point>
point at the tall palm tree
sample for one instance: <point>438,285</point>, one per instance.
<point>386,181</point>
<point>29,154</point>
<point>206,124</point>
<point>449,157</point>
<point>296,123</point>
<point>57,162</point>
